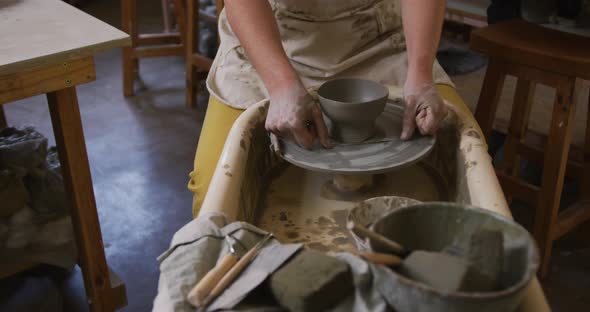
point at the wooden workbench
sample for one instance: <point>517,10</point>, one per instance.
<point>47,46</point>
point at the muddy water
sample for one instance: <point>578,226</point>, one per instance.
<point>302,206</point>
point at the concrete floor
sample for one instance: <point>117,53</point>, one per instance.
<point>141,150</point>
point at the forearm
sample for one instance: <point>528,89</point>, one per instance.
<point>422,20</point>
<point>254,24</point>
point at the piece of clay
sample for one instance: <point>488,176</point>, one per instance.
<point>352,183</point>
<point>311,281</point>
<point>444,272</point>
<point>13,194</point>
<point>441,271</point>
<point>486,253</point>
<point>515,262</point>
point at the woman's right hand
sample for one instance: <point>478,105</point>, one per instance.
<point>293,113</point>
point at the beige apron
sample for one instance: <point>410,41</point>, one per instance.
<point>323,39</point>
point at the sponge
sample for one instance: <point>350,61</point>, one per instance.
<point>311,281</point>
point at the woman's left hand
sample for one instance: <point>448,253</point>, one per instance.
<point>425,110</point>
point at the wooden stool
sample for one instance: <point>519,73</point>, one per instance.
<point>166,15</point>
<point>197,65</point>
<point>3,122</point>
<point>148,45</point>
<point>535,54</point>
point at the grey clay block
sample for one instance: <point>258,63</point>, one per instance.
<point>311,281</point>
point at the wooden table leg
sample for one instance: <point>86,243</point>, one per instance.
<point>180,15</point>
<point>67,126</point>
<point>585,184</point>
<point>519,120</point>
<point>554,165</point>
<point>3,122</point>
<point>489,96</point>
<point>130,64</point>
<point>166,16</point>
<point>192,21</point>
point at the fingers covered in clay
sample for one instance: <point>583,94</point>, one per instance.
<point>410,117</point>
<point>303,135</point>
<point>320,126</point>
<point>426,109</point>
<point>294,114</point>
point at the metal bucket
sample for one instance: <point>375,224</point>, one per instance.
<point>435,226</point>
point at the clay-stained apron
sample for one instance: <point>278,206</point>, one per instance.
<point>324,39</point>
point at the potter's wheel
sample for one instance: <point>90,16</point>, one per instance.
<point>384,152</point>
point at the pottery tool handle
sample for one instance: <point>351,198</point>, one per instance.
<point>363,231</point>
<point>231,275</point>
<point>380,258</point>
<point>199,293</point>
<point>274,141</point>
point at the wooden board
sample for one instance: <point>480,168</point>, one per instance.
<point>470,12</point>
<point>55,77</point>
<point>36,33</point>
<point>476,9</point>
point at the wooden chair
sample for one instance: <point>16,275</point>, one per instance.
<point>148,45</point>
<point>197,65</point>
<point>166,15</point>
<point>535,54</point>
<point>3,122</point>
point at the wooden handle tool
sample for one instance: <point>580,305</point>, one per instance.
<point>231,275</point>
<point>276,145</point>
<point>386,242</point>
<point>380,258</point>
<point>199,293</point>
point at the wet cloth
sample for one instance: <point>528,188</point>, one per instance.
<point>196,248</point>
<point>34,219</point>
<point>323,39</point>
<point>194,251</point>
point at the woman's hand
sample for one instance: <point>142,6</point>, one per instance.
<point>295,114</point>
<point>422,20</point>
<point>425,110</point>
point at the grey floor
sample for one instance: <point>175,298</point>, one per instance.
<point>141,150</point>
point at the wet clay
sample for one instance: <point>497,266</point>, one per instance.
<point>486,253</point>
<point>311,281</point>
<point>352,183</point>
<point>382,153</point>
<point>319,214</point>
<point>444,272</point>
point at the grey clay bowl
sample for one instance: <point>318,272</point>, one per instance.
<point>352,105</point>
<point>433,226</point>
